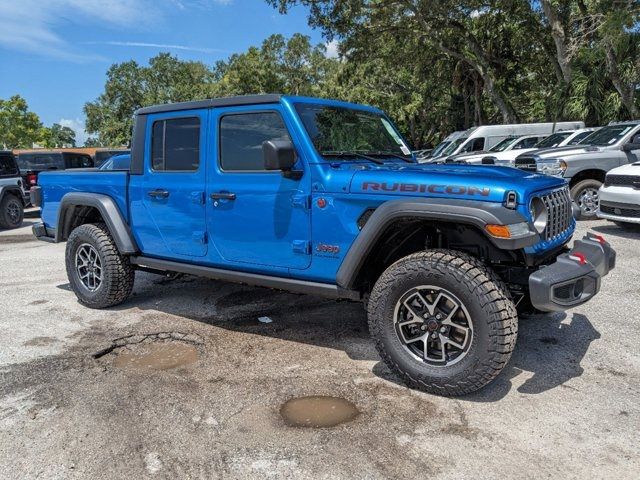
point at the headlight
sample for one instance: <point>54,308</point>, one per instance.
<point>538,212</point>
<point>551,166</point>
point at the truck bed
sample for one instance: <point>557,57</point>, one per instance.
<point>58,183</point>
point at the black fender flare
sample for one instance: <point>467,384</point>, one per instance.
<point>14,190</point>
<point>468,212</point>
<point>118,227</point>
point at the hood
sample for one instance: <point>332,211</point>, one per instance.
<point>482,183</point>
<point>629,169</point>
<point>565,152</point>
<point>501,156</point>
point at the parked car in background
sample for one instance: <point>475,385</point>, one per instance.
<point>117,162</point>
<point>482,138</point>
<point>507,157</point>
<point>102,155</point>
<point>442,145</point>
<point>509,144</point>
<point>585,165</point>
<point>12,199</point>
<point>422,154</point>
<point>620,196</point>
<point>32,163</point>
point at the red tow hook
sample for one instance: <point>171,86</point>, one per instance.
<point>599,238</point>
<point>578,257</point>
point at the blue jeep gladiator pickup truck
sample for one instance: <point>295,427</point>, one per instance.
<point>324,197</point>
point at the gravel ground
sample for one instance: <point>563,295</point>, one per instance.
<point>566,406</point>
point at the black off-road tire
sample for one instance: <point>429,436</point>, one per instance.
<point>11,212</point>
<point>117,273</point>
<point>576,192</point>
<point>483,294</point>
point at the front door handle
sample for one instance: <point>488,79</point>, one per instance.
<point>223,196</point>
<point>159,193</point>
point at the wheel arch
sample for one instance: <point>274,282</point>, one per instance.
<point>14,190</point>
<point>589,174</point>
<point>410,226</point>
<point>78,208</point>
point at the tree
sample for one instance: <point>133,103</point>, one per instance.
<point>57,136</point>
<point>19,128</point>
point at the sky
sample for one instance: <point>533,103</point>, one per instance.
<point>55,53</point>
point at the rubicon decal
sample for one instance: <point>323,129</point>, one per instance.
<point>426,188</point>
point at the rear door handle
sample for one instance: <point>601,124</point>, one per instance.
<point>159,193</point>
<point>223,196</point>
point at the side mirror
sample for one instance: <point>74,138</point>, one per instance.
<point>633,145</point>
<point>278,155</point>
<point>488,161</point>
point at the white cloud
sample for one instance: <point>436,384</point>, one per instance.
<point>35,26</point>
<point>77,125</point>
<point>161,46</point>
<point>332,49</point>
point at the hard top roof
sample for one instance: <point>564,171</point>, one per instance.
<point>211,103</point>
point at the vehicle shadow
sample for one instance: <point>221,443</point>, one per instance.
<point>612,229</point>
<point>549,349</point>
<point>298,318</point>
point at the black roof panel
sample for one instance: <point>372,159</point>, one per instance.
<point>211,103</point>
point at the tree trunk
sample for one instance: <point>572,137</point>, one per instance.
<point>559,39</point>
<point>626,91</point>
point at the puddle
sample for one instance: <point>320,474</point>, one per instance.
<point>318,411</point>
<point>156,356</point>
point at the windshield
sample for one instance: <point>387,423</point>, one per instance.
<point>335,130</point>
<point>608,135</point>
<point>439,148</point>
<point>552,140</point>
<point>503,145</point>
<point>454,145</point>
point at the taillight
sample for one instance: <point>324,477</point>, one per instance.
<point>32,179</point>
<point>599,238</point>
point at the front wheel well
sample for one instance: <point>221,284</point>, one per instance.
<point>591,174</point>
<point>411,235</point>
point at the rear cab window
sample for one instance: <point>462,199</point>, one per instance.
<point>175,145</point>
<point>78,161</point>
<point>40,161</point>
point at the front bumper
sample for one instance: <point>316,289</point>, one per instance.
<point>574,278</point>
<point>619,203</point>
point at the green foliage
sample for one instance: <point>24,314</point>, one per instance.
<point>19,128</point>
<point>57,136</point>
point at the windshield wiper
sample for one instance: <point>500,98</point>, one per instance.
<point>391,154</point>
<point>351,154</point>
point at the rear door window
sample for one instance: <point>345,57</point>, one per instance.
<point>8,166</point>
<point>175,145</point>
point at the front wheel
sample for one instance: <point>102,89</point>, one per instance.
<point>99,275</point>
<point>585,195</point>
<point>443,322</point>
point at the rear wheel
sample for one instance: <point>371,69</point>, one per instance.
<point>99,276</point>
<point>11,212</point>
<point>443,322</point>
<point>585,195</point>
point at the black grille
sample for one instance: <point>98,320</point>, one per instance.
<point>629,211</point>
<point>525,162</point>
<point>559,213</point>
<point>622,180</point>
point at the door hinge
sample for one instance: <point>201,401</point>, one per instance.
<point>301,201</point>
<point>301,246</point>
<point>199,237</point>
